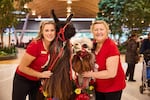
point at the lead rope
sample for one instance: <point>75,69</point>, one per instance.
<point>61,32</point>
<point>70,61</point>
<point>83,85</point>
<point>51,67</point>
<point>59,55</point>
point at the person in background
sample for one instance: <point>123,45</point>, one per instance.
<point>131,56</point>
<point>145,46</point>
<point>145,50</point>
<point>110,77</point>
<point>29,71</point>
<point>140,42</point>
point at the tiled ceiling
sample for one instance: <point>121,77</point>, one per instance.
<point>80,8</point>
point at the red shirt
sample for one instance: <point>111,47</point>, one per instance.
<point>36,49</point>
<point>117,83</point>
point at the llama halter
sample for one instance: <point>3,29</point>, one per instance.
<point>62,38</point>
<point>61,32</point>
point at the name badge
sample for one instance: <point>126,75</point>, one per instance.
<point>43,52</point>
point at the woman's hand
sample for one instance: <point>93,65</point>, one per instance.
<point>46,74</point>
<point>26,61</point>
<point>87,74</point>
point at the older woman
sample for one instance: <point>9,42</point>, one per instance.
<point>110,77</point>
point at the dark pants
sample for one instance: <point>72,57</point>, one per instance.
<point>130,70</point>
<point>23,87</point>
<point>109,96</point>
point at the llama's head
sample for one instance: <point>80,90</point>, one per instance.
<point>65,29</point>
<point>83,58</point>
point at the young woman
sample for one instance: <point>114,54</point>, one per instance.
<point>26,79</point>
<point>110,77</point>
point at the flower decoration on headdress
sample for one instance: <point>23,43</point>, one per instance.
<point>83,93</point>
<point>78,91</point>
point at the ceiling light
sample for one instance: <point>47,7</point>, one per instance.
<point>142,21</point>
<point>39,17</point>
<point>68,9</point>
<point>26,5</point>
<point>33,12</point>
<point>69,1</point>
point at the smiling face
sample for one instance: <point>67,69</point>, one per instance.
<point>49,32</point>
<point>100,30</point>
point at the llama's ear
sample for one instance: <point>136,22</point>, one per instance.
<point>54,16</point>
<point>69,18</point>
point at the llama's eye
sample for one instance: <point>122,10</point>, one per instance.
<point>85,46</point>
<point>76,44</point>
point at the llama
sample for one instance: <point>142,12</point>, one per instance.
<point>59,85</point>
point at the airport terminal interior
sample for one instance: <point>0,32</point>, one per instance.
<point>84,13</point>
<point>131,92</point>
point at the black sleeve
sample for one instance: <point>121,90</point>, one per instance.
<point>143,46</point>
